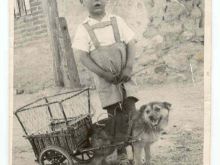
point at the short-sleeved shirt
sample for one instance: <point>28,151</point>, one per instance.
<point>104,35</point>
<point>108,92</point>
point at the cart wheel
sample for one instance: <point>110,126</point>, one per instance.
<point>84,157</point>
<point>54,155</point>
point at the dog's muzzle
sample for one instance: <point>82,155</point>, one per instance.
<point>155,121</point>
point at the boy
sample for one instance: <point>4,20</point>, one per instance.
<point>105,45</point>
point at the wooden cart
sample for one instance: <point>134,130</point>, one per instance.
<point>59,128</point>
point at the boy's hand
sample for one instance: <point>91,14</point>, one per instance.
<point>108,76</point>
<point>126,74</point>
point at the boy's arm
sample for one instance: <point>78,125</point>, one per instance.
<point>126,73</point>
<point>87,62</point>
<point>130,54</point>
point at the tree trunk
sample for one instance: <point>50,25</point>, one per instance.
<point>50,7</point>
<point>68,64</point>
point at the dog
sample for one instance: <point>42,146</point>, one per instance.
<point>101,137</point>
<point>146,125</point>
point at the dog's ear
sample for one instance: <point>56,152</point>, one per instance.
<point>142,108</point>
<point>167,105</point>
<point>138,113</point>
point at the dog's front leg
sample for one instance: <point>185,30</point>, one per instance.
<point>97,161</point>
<point>138,153</point>
<point>147,153</point>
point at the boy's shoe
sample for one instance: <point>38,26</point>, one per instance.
<point>123,159</point>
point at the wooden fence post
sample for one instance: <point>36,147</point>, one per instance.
<point>68,64</point>
<point>50,7</point>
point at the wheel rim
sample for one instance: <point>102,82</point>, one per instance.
<point>55,156</point>
<point>84,157</point>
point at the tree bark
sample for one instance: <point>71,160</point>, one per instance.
<point>68,64</point>
<point>50,8</point>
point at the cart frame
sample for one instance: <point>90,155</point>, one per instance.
<point>66,144</point>
<point>47,103</point>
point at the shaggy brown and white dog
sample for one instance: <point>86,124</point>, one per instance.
<point>147,124</point>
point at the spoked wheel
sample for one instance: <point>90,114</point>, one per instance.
<point>84,157</point>
<point>54,155</point>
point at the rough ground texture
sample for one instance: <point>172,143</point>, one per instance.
<point>181,145</point>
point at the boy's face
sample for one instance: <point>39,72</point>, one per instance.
<point>95,7</point>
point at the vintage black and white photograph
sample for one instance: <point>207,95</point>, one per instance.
<point>109,82</point>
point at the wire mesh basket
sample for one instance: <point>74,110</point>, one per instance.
<point>62,120</point>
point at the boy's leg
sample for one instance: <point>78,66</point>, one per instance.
<point>120,123</point>
<point>128,108</point>
<point>119,119</point>
<point>112,125</point>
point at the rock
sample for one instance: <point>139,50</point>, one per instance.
<point>173,11</point>
<point>179,147</point>
<point>189,24</point>
<point>200,32</point>
<point>153,42</point>
<point>187,48</point>
<point>156,21</point>
<point>196,13</point>
<point>147,59</point>
<point>197,2</point>
<point>149,51</point>
<point>150,32</point>
<point>169,40</point>
<point>189,5</point>
<point>154,78</point>
<point>157,9</point>
<point>164,133</point>
<point>199,37</point>
<point>187,35</point>
<point>174,76</point>
<point>202,18</point>
<point>198,40</point>
<point>157,78</point>
<point>160,69</point>
<point>199,57</point>
<point>176,61</point>
<point>19,91</point>
<point>176,27</point>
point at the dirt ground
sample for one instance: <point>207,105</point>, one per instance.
<point>181,145</point>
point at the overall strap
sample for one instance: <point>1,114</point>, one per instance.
<point>115,29</point>
<point>101,25</point>
<point>92,35</point>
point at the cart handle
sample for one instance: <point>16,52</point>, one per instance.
<point>124,143</point>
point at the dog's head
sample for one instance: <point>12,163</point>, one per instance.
<point>156,114</point>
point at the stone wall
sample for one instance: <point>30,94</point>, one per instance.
<point>32,27</point>
<point>174,42</point>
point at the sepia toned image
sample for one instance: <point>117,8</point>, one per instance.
<point>110,82</point>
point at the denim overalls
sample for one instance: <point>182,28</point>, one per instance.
<point>110,58</point>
